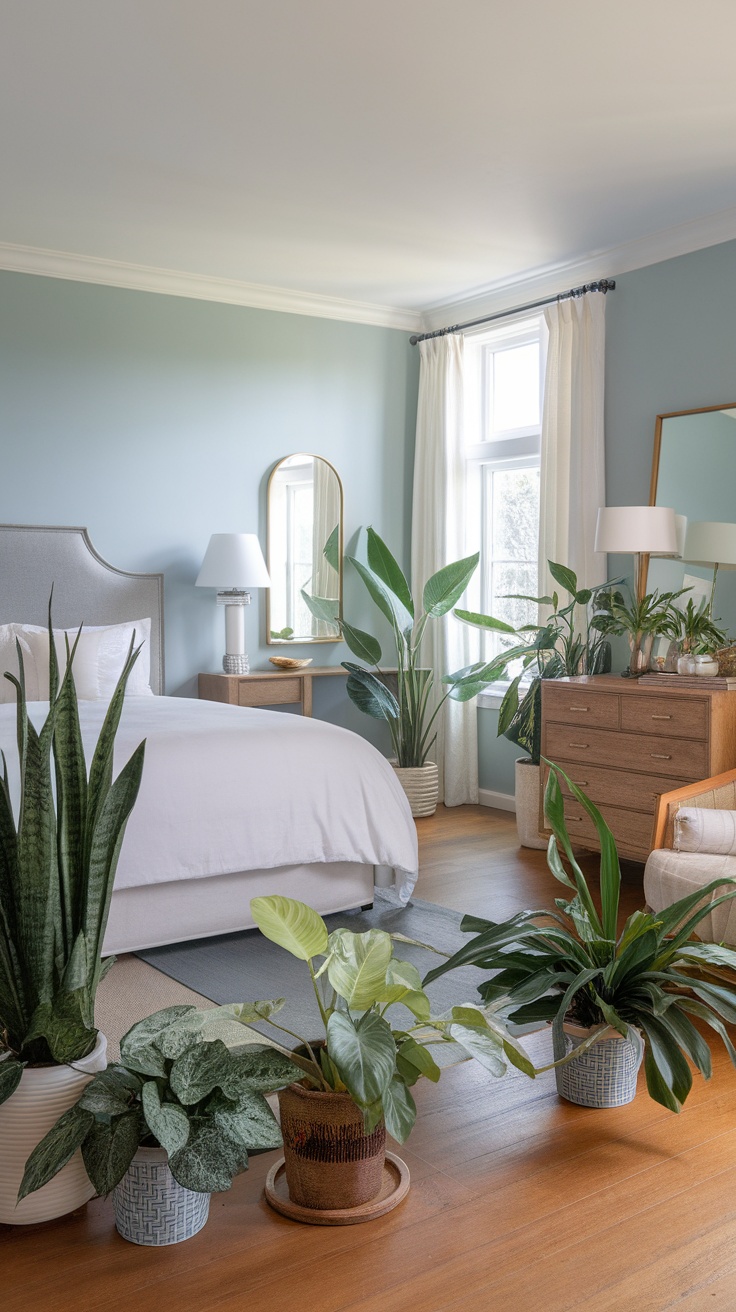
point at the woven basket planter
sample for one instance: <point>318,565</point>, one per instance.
<point>528,781</point>
<point>330,1161</point>
<point>152,1208</point>
<point>421,785</point>
<point>604,1075</point>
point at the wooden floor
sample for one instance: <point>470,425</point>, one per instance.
<point>519,1202</point>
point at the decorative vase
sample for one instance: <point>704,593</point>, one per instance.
<point>421,785</point>
<point>43,1095</point>
<point>705,665</point>
<point>686,663</point>
<point>152,1208</point>
<point>528,780</point>
<point>602,1076</point>
<point>330,1161</point>
<point>641,650</point>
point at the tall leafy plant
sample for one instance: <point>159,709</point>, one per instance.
<point>573,962</point>
<point>407,705</point>
<point>57,867</point>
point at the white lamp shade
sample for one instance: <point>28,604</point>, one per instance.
<point>708,543</point>
<point>637,529</point>
<point>233,560</point>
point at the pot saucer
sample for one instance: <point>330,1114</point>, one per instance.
<point>394,1188</point>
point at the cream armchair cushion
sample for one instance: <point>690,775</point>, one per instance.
<point>669,875</point>
<point>700,830</point>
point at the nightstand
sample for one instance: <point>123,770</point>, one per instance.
<point>266,687</point>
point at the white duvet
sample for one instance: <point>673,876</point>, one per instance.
<point>227,789</point>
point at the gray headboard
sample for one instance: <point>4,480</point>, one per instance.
<point>86,589</point>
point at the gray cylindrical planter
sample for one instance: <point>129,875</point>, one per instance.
<point>151,1207</point>
<point>528,779</point>
<point>604,1075</point>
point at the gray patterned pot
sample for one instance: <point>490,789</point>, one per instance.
<point>602,1076</point>
<point>151,1207</point>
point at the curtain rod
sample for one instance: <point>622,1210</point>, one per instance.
<point>603,285</point>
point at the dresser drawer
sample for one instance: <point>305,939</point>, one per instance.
<point>577,705</point>
<point>631,829</point>
<point>678,717</point>
<point>639,792</point>
<point>640,752</point>
<point>269,691</point>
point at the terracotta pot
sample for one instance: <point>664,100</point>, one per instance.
<point>421,785</point>
<point>330,1161</point>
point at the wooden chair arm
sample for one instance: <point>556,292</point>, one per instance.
<point>668,803</point>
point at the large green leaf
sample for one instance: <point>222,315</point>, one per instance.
<point>110,1146</point>
<point>55,1149</point>
<point>447,586</point>
<point>566,578</point>
<point>418,1059</point>
<point>403,984</point>
<point>209,1160</point>
<point>484,621</point>
<point>399,1110</point>
<point>62,1023</point>
<point>331,549</point>
<point>248,1121</point>
<point>388,570</point>
<point>167,1121</point>
<point>200,1069</point>
<point>293,925</point>
<point>325,609</point>
<point>140,1048</point>
<point>357,965</point>
<point>263,1069</point>
<point>369,694</point>
<point>364,1052</point>
<point>386,600</point>
<point>111,1091</point>
<point>361,644</point>
<point>482,1045</point>
<point>10,1076</point>
<point>105,842</point>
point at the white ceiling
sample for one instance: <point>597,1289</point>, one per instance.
<point>407,153</point>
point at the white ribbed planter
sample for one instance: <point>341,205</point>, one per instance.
<point>152,1208</point>
<point>528,784</point>
<point>421,785</point>
<point>43,1095</point>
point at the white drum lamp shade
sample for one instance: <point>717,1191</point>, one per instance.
<point>233,562</point>
<point>647,529</point>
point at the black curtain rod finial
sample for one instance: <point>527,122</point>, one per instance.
<point>602,285</point>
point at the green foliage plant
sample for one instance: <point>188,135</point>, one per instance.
<point>356,978</point>
<point>640,619</point>
<point>694,629</point>
<point>173,1088</point>
<point>57,867</point>
<point>573,962</point>
<point>565,645</point>
<point>409,711</point>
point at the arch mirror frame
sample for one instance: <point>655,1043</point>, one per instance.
<point>297,640</point>
<point>656,462</point>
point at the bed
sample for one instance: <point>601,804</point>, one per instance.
<point>235,802</point>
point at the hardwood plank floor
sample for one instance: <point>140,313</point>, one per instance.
<point>518,1200</point>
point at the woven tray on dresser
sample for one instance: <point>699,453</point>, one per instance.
<point>625,743</point>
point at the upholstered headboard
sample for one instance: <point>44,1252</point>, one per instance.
<point>86,589</point>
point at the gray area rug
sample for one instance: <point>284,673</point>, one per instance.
<point>246,967</point>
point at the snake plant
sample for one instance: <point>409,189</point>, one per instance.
<point>57,866</point>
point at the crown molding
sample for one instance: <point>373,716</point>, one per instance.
<point>667,244</point>
<point>200,287</point>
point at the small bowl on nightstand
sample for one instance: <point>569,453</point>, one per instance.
<point>290,662</point>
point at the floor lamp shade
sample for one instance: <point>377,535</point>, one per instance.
<point>708,543</point>
<point>233,563</point>
<point>637,529</point>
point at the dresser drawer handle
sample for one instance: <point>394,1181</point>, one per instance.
<point>578,744</point>
<point>661,717</point>
<point>578,708</point>
<point>580,783</point>
<point>574,819</point>
<point>660,756</point>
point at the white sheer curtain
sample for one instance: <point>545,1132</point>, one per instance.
<point>572,484</point>
<point>438,537</point>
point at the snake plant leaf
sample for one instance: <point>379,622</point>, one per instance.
<point>447,586</point>
<point>55,1149</point>
<point>199,1070</point>
<point>484,1046</point>
<point>358,964</point>
<point>387,602</point>
<point>110,1146</point>
<point>331,549</point>
<point>399,1110</point>
<point>105,842</point>
<point>388,570</point>
<point>209,1160</point>
<point>369,694</point>
<point>11,1071</point>
<point>566,578</point>
<point>167,1121</point>
<point>249,1121</point>
<point>62,1023</point>
<point>291,924</point>
<point>363,645</point>
<point>325,609</point>
<point>364,1052</point>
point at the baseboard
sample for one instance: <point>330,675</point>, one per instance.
<point>501,801</point>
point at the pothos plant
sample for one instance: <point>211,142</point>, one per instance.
<point>175,1088</point>
<point>356,978</point>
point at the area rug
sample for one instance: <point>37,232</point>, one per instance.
<point>246,967</point>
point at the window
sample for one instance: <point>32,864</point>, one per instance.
<point>505,374</point>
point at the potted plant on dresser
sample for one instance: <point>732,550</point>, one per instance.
<point>613,998</point>
<point>405,701</point>
<point>168,1125</point>
<point>57,867</point>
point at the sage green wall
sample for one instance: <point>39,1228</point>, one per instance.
<point>670,345</point>
<point>154,421</point>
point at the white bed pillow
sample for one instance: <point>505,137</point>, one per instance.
<point>98,660</point>
<point>698,829</point>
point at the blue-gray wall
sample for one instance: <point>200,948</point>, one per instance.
<point>670,345</point>
<point>155,420</point>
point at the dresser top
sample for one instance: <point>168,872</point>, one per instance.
<point>616,683</point>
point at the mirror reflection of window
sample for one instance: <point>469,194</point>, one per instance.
<point>305,551</point>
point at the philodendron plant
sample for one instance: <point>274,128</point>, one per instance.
<point>173,1088</point>
<point>57,867</point>
<point>409,713</point>
<point>356,978</point>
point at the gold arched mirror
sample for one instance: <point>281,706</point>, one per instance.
<point>305,546</point>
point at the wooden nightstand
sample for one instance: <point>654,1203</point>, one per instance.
<point>266,687</point>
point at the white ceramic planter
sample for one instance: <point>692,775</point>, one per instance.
<point>421,785</point>
<point>528,784</point>
<point>152,1208</point>
<point>604,1075</point>
<point>43,1095</point>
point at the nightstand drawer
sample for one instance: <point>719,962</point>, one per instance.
<point>679,717</point>
<point>269,691</point>
<point>576,705</point>
<point>632,751</point>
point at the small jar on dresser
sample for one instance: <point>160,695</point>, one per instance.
<point>624,743</point>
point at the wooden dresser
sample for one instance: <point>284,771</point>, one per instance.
<point>625,743</point>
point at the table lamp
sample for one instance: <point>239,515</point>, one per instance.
<point>709,543</point>
<point>639,531</point>
<point>233,562</point>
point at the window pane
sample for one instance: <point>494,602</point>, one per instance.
<point>515,576</point>
<point>515,514</point>
<point>516,387</point>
